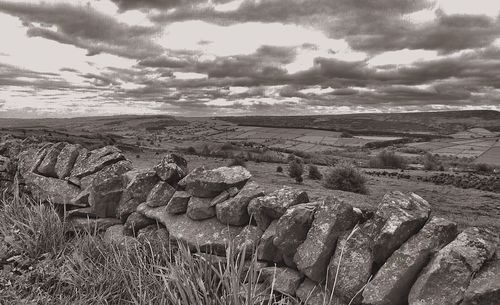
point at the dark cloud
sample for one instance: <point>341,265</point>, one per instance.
<point>86,28</point>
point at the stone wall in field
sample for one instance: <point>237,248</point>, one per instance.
<point>322,252</point>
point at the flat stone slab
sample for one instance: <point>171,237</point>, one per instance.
<point>207,235</point>
<point>209,183</point>
<point>51,189</point>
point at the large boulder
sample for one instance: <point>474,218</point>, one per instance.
<point>48,165</point>
<point>447,276</point>
<point>209,183</point>
<point>51,189</point>
<point>207,235</point>
<point>160,194</point>
<point>284,280</point>
<point>66,160</point>
<point>172,168</point>
<point>351,266</point>
<point>234,210</point>
<point>485,287</point>
<point>90,162</point>
<point>273,206</point>
<point>392,283</point>
<point>398,217</point>
<point>292,228</point>
<point>331,219</point>
<point>266,250</point>
<point>178,203</point>
<point>200,208</point>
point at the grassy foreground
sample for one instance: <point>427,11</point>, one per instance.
<point>43,264</point>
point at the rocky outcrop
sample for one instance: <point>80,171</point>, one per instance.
<point>484,289</point>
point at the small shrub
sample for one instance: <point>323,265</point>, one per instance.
<point>191,150</point>
<point>279,169</point>
<point>299,179</point>
<point>345,177</point>
<point>227,146</point>
<point>295,169</point>
<point>387,159</point>
<point>138,156</point>
<point>483,168</point>
<point>238,161</point>
<point>314,172</point>
<point>431,162</point>
<point>205,151</point>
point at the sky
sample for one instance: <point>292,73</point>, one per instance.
<point>69,58</point>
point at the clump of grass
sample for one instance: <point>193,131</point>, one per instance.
<point>387,159</point>
<point>345,177</point>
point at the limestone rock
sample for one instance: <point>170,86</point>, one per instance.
<point>135,222</point>
<point>448,274</point>
<point>47,167</point>
<point>210,183</point>
<point>285,280</point>
<point>247,240</point>
<point>105,194</point>
<point>292,227</point>
<point>116,235</point>
<point>155,236</point>
<point>311,293</point>
<point>91,225</point>
<point>51,189</point>
<point>160,194</point>
<point>140,183</point>
<point>66,160</point>
<point>234,210</point>
<point>331,219</point>
<point>398,217</point>
<point>178,203</point>
<point>199,208</point>
<point>208,235</point>
<point>266,250</point>
<point>116,169</point>
<point>172,168</point>
<point>392,283</point>
<point>82,199</point>
<point>219,198</point>
<point>94,161</point>
<point>273,206</point>
<point>351,265</point>
<point>485,287</point>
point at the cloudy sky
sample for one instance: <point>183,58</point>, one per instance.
<point>63,58</point>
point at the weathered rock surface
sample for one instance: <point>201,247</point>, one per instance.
<point>199,208</point>
<point>397,218</point>
<point>284,280</point>
<point>209,183</point>
<point>105,194</point>
<point>392,283</point>
<point>312,293</point>
<point>82,212</point>
<point>247,240</point>
<point>116,235</point>
<point>91,225</point>
<point>351,266</point>
<point>118,169</point>
<point>447,276</point>
<point>135,222</point>
<point>140,183</point>
<point>155,236</point>
<point>208,234</point>
<point>172,168</point>
<point>48,166</point>
<point>178,203</point>
<point>94,161</point>
<point>51,189</point>
<point>234,210</point>
<point>160,194</point>
<point>331,219</point>
<point>292,227</point>
<point>273,206</point>
<point>66,160</point>
<point>484,289</point>
<point>267,251</point>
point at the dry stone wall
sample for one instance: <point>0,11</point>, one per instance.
<point>323,252</point>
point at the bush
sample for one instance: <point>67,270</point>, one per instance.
<point>345,177</point>
<point>387,159</point>
<point>483,168</point>
<point>238,161</point>
<point>314,172</point>
<point>205,151</point>
<point>295,169</point>
<point>279,169</point>
<point>191,150</point>
<point>431,162</point>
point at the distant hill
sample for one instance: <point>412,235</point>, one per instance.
<point>439,123</point>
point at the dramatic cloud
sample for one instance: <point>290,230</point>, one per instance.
<point>199,57</point>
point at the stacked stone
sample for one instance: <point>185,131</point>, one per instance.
<point>323,252</point>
